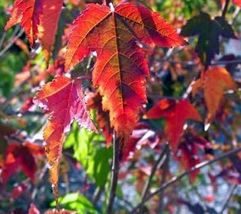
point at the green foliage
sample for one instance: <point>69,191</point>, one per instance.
<point>91,152</point>
<point>188,7</point>
<point>76,202</point>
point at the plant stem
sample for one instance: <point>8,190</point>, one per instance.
<point>163,180</point>
<point>231,192</point>
<point>12,40</point>
<point>225,9</point>
<point>114,174</point>
<point>178,178</point>
<point>160,159</point>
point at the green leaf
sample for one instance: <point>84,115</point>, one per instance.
<point>91,152</point>
<point>76,202</point>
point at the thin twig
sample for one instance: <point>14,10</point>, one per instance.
<point>114,174</point>
<point>225,9</point>
<point>11,42</point>
<point>2,39</point>
<point>97,195</point>
<point>178,178</point>
<point>163,180</point>
<point>40,177</point>
<point>226,202</point>
<point>160,159</point>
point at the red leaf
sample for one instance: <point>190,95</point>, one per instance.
<point>237,2</point>
<point>20,156</point>
<point>102,117</point>
<point>18,190</point>
<point>33,209</point>
<point>64,99</point>
<point>176,114</point>
<point>121,68</point>
<point>38,18</point>
<point>188,152</point>
<point>141,136</point>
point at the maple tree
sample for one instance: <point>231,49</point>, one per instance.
<point>119,100</point>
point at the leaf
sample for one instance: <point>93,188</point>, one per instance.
<point>64,100</point>
<point>208,40</point>
<point>176,113</point>
<point>91,153</point>
<point>20,156</point>
<point>121,68</point>
<point>38,18</point>
<point>18,190</point>
<point>237,2</point>
<point>141,136</point>
<point>77,202</point>
<point>191,152</point>
<point>214,82</point>
<point>102,117</point>
<point>33,209</point>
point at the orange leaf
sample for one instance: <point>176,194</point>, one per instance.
<point>176,114</point>
<point>214,82</point>
<point>38,18</point>
<point>64,100</point>
<point>121,68</point>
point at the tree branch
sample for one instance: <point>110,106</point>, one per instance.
<point>225,8</point>
<point>178,178</point>
<point>114,175</point>
<point>161,159</point>
<point>226,202</point>
<point>12,40</point>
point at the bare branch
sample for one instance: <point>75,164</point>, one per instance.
<point>225,8</point>
<point>178,178</point>
<point>161,159</point>
<point>226,202</point>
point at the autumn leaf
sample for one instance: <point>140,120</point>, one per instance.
<point>141,136</point>
<point>64,100</point>
<point>39,19</point>
<point>237,2</point>
<point>102,117</point>
<point>33,209</point>
<point>176,113</point>
<point>20,157</point>
<point>121,68</point>
<point>191,152</point>
<point>208,40</point>
<point>214,82</point>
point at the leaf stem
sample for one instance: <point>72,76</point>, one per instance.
<point>114,174</point>
<point>178,178</point>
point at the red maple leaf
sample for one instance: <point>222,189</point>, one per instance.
<point>38,18</point>
<point>176,114</point>
<point>64,100</point>
<point>20,157</point>
<point>121,68</point>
